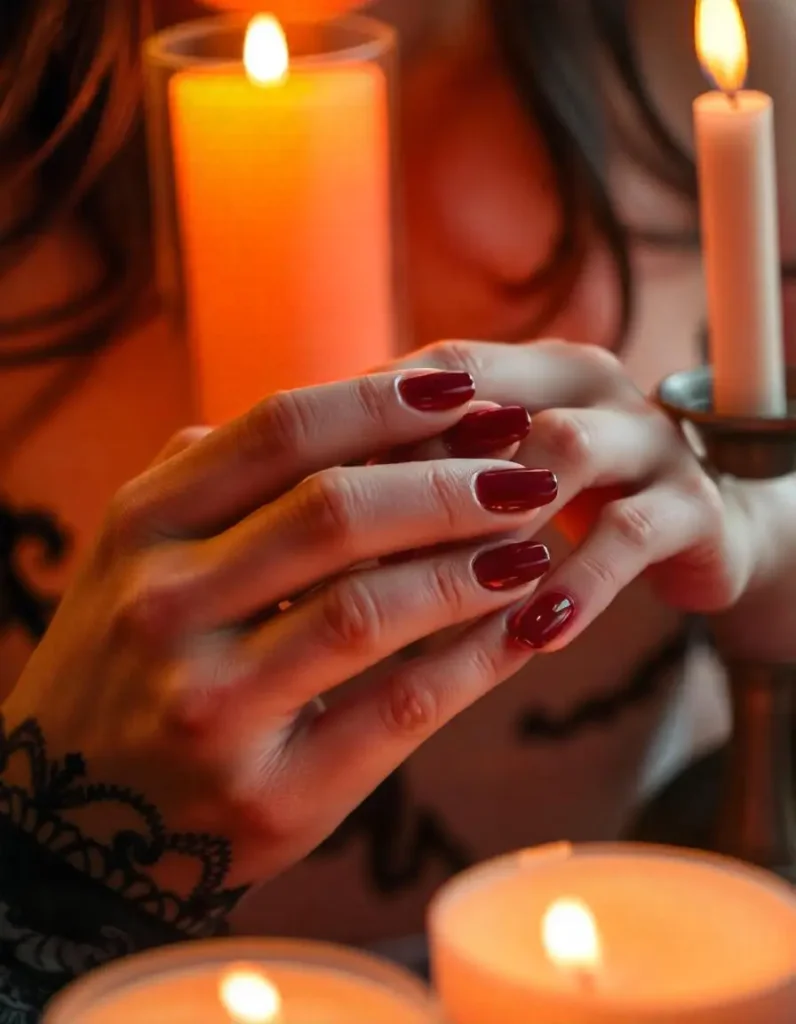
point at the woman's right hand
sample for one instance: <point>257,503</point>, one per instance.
<point>174,684</point>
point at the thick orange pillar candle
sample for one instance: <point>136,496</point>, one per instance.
<point>282,183</point>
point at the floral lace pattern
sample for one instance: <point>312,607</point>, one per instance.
<point>68,902</point>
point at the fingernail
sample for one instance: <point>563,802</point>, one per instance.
<point>488,430</point>
<point>542,621</point>
<point>511,565</point>
<point>437,391</point>
<point>515,490</point>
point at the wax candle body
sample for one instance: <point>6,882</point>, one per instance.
<point>738,201</point>
<point>284,211</point>
<point>295,10</point>
<point>685,940</point>
<point>181,986</point>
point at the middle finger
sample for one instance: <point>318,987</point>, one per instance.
<point>341,518</point>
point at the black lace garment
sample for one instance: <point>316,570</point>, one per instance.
<point>69,903</point>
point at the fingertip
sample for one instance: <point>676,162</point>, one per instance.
<point>541,624</point>
<point>488,430</point>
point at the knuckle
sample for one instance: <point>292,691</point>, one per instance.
<point>630,523</point>
<point>566,437</point>
<point>186,437</point>
<point>451,588</point>
<point>599,570</point>
<point>280,423</point>
<point>704,492</point>
<point>445,492</point>
<point>409,706</point>
<point>485,666</point>
<point>327,508</point>
<point>148,608</point>
<point>125,519</point>
<point>370,397</point>
<point>458,355</point>
<point>351,618</point>
<point>556,348</point>
<point>601,360</point>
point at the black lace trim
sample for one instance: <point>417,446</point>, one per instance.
<point>68,902</point>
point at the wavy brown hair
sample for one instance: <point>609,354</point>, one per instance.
<point>71,126</point>
<point>71,137</point>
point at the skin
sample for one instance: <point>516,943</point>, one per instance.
<point>479,218</point>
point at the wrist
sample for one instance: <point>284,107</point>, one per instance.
<point>68,901</point>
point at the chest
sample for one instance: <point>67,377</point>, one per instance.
<point>70,435</point>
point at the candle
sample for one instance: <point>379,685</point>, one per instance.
<point>296,10</point>
<point>738,200</point>
<point>281,181</point>
<point>615,935</point>
<point>247,981</point>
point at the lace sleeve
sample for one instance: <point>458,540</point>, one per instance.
<point>69,903</point>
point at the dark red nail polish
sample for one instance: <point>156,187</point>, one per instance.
<point>516,490</point>
<point>542,621</point>
<point>511,565</point>
<point>488,430</point>
<point>437,391</point>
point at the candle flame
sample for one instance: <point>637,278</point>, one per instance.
<point>721,43</point>
<point>570,936</point>
<point>265,51</point>
<point>250,998</point>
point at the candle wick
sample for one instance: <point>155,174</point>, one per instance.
<point>732,96</point>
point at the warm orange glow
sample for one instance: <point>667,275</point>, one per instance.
<point>249,998</point>
<point>570,936</point>
<point>721,43</point>
<point>265,52</point>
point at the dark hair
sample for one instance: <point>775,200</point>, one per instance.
<point>551,51</point>
<point>71,127</point>
<point>70,117</point>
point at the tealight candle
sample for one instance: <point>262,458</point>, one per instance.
<point>615,935</point>
<point>247,981</point>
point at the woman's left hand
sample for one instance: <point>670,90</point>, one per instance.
<point>632,494</point>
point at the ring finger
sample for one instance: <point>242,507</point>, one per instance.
<point>336,520</point>
<point>630,536</point>
<point>362,618</point>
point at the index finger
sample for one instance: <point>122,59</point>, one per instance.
<point>538,375</point>
<point>235,469</point>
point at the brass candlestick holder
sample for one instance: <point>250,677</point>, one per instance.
<point>756,821</point>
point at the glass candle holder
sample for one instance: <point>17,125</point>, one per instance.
<point>271,165</point>
<point>253,981</point>
<point>614,934</point>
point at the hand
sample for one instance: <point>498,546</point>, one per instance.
<point>632,494</point>
<point>190,703</point>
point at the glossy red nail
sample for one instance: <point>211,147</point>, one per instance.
<point>511,565</point>
<point>515,490</point>
<point>488,430</point>
<point>437,391</point>
<point>542,621</point>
